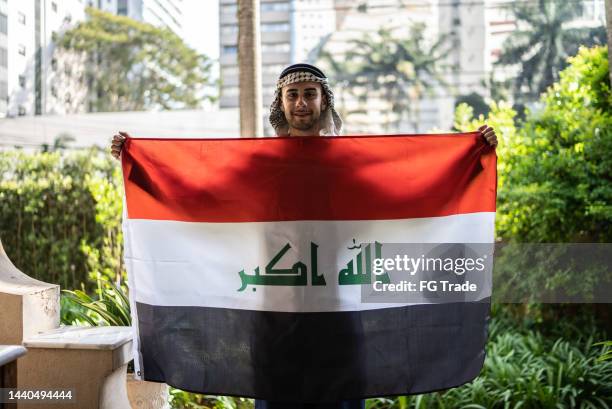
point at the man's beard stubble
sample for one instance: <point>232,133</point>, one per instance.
<point>304,126</point>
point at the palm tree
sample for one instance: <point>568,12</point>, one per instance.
<point>400,70</point>
<point>249,68</point>
<point>543,41</point>
<point>341,79</point>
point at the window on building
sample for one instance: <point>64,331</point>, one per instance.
<point>122,7</point>
<point>21,111</point>
<point>230,49</point>
<point>3,90</point>
<point>3,23</point>
<point>229,70</point>
<point>273,69</point>
<point>3,57</point>
<point>22,81</point>
<point>274,27</point>
<point>276,48</point>
<point>67,70</point>
<point>54,64</point>
<point>54,91</point>
<point>21,18</point>
<point>229,8</point>
<point>54,6</point>
<point>68,98</point>
<point>21,49</point>
<point>284,6</point>
<point>229,30</point>
<point>230,92</point>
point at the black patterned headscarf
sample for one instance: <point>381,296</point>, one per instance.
<point>331,124</point>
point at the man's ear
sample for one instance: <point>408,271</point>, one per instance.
<point>324,103</point>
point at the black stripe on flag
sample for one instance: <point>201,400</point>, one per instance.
<point>313,357</point>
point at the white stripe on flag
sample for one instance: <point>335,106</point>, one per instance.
<point>197,264</point>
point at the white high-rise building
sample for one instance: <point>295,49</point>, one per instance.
<point>36,77</point>
<point>161,13</point>
<point>291,31</point>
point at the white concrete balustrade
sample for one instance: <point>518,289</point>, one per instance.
<point>90,361</point>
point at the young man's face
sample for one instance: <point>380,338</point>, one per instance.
<point>302,104</point>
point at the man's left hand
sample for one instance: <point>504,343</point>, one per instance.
<point>489,134</point>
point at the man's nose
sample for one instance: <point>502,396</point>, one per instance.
<point>301,101</point>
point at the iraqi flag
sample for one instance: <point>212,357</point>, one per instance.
<point>236,248</point>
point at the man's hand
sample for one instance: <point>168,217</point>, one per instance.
<point>489,134</point>
<point>117,144</point>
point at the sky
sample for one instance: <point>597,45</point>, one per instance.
<point>202,26</point>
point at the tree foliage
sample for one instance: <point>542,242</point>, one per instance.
<point>136,66</point>
<point>555,183</point>
<point>543,41</point>
<point>400,69</point>
<point>60,215</point>
<point>474,100</point>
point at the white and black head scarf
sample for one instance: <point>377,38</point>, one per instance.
<point>331,124</point>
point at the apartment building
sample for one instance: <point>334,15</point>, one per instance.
<point>3,57</point>
<point>478,31</point>
<point>291,31</point>
<point>475,32</point>
<point>161,13</point>
<point>36,77</point>
<point>39,79</point>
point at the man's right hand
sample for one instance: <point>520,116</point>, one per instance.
<point>117,144</point>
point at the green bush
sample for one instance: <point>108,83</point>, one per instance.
<point>60,215</point>
<point>555,183</point>
<point>526,369</point>
<point>110,306</point>
<point>554,179</point>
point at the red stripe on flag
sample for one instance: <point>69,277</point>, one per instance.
<point>320,178</point>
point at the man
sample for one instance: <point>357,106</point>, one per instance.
<point>303,106</point>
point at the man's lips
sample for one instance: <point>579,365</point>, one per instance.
<point>302,113</point>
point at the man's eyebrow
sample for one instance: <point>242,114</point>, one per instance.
<point>295,89</point>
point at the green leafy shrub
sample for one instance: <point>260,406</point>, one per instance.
<point>607,352</point>
<point>525,369</point>
<point>554,179</point>
<point>185,400</point>
<point>111,306</point>
<point>60,215</point>
<point>554,171</point>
